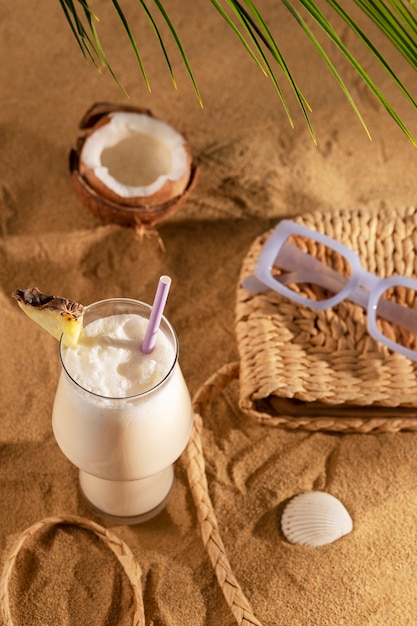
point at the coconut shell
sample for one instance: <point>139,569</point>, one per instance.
<point>103,202</point>
<point>95,116</point>
<point>109,211</point>
<point>169,190</point>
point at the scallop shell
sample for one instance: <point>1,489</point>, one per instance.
<point>315,518</point>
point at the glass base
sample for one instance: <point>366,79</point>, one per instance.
<point>128,502</point>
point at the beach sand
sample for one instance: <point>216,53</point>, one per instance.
<point>255,169</point>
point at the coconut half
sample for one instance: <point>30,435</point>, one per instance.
<point>130,167</point>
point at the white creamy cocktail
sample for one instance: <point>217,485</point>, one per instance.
<point>121,416</point>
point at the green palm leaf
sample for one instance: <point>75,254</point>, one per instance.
<point>180,48</point>
<point>327,60</point>
<point>396,19</point>
<point>78,29</point>
<point>259,32</point>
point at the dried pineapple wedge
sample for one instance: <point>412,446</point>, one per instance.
<point>59,316</point>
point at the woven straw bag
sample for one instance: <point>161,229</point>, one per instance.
<point>320,370</point>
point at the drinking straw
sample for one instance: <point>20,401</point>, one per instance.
<point>158,306</point>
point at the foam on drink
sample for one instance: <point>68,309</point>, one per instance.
<point>108,361</point>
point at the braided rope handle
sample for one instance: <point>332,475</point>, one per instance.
<point>117,545</point>
<point>212,540</point>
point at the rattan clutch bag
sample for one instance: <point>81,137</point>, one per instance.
<point>320,370</point>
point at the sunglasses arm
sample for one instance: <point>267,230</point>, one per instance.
<point>401,316</point>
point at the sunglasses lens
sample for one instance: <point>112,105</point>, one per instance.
<point>311,269</point>
<point>396,316</point>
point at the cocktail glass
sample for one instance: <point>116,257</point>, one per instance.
<point>124,447</point>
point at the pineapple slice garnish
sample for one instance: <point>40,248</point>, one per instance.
<point>59,316</point>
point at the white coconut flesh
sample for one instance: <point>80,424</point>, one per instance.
<point>135,155</point>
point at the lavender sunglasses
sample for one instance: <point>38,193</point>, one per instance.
<point>363,287</point>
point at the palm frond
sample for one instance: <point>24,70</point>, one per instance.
<point>259,32</point>
<point>180,48</point>
<point>381,60</point>
<point>395,19</point>
<point>329,63</point>
<point>90,17</point>
<point>76,25</point>
<point>237,32</point>
<point>132,40</point>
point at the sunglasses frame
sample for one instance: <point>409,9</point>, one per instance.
<point>363,287</point>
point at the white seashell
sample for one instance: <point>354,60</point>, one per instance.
<point>315,518</point>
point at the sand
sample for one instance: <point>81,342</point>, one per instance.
<point>254,170</point>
